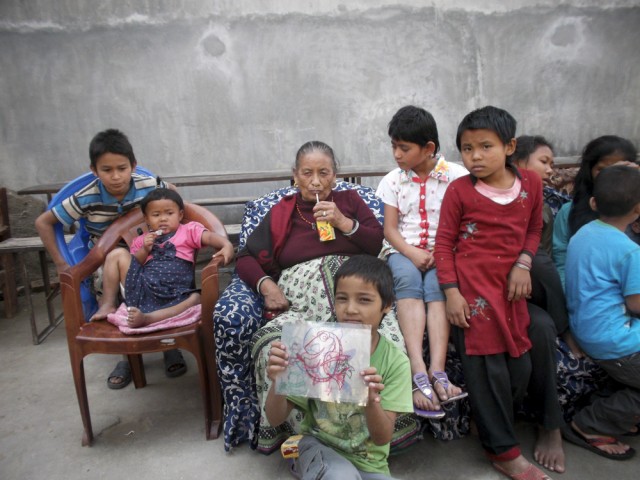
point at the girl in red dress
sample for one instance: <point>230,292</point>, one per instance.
<point>489,231</point>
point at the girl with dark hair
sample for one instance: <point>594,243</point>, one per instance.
<point>599,153</point>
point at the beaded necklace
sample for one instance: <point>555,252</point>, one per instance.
<point>313,224</point>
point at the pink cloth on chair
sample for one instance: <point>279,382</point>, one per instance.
<point>119,319</point>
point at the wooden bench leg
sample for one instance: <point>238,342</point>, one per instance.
<point>38,336</point>
<point>9,290</point>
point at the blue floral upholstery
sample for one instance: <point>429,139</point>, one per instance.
<point>578,378</point>
<point>238,315</point>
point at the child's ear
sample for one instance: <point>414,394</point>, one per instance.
<point>429,149</point>
<point>592,204</point>
<point>511,146</point>
<point>181,215</point>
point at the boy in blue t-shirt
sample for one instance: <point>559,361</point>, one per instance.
<point>358,448</point>
<point>115,192</point>
<point>603,298</point>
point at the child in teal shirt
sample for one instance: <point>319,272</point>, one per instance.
<point>603,298</point>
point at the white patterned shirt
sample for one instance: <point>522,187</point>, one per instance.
<point>418,202</point>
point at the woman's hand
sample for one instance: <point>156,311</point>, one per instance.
<point>274,299</point>
<point>457,308</point>
<point>329,212</point>
<point>518,284</point>
<point>277,360</point>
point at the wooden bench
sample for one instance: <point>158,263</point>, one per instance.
<point>17,247</point>
<point>350,173</point>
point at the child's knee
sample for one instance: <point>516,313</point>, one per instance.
<point>117,255</point>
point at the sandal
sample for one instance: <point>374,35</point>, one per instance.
<point>421,381</point>
<point>122,371</point>
<point>531,473</point>
<point>443,380</point>
<point>174,364</point>
<point>571,435</point>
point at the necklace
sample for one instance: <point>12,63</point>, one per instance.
<point>313,224</point>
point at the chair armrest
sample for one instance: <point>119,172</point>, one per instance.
<point>210,289</point>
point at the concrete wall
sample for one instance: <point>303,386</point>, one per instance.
<point>233,85</point>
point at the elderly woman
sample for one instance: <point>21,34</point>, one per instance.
<point>287,242</point>
<point>285,262</point>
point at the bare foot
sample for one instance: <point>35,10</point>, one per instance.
<point>102,312</point>
<point>518,467</point>
<point>615,448</point>
<point>548,450</point>
<point>135,317</point>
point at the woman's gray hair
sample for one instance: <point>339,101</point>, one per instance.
<point>316,146</point>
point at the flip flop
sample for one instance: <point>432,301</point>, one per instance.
<point>123,371</point>
<point>421,381</point>
<point>174,364</point>
<point>443,379</point>
<point>531,473</point>
<point>571,435</point>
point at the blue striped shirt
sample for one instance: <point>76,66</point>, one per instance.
<point>99,207</point>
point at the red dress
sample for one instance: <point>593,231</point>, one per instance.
<point>477,243</point>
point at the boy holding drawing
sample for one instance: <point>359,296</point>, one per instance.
<point>345,440</point>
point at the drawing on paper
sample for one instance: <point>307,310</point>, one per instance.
<point>325,361</point>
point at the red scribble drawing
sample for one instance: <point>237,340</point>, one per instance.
<point>323,359</point>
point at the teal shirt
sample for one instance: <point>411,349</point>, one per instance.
<point>561,236</point>
<point>605,268</point>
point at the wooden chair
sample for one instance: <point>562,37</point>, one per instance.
<point>7,264</point>
<point>103,337</point>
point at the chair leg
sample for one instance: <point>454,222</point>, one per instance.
<point>137,370</point>
<point>205,388</point>
<point>215,393</point>
<point>77,368</point>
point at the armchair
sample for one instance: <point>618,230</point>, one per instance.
<point>102,337</point>
<point>239,315</point>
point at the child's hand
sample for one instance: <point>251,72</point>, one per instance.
<point>518,284</point>
<point>149,238</point>
<point>226,252</point>
<point>277,361</point>
<point>422,259</point>
<point>457,308</point>
<point>374,381</point>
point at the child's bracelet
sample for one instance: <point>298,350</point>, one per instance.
<point>524,259</point>
<point>522,266</point>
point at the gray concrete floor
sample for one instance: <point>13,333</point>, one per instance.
<point>158,432</point>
